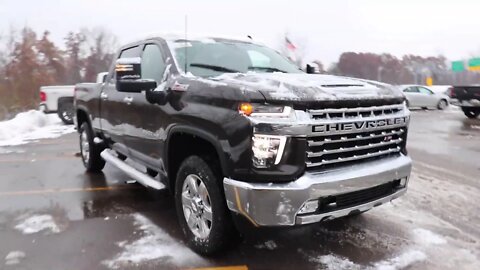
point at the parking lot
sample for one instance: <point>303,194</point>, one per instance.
<point>55,216</point>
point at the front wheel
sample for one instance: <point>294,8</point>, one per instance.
<point>202,211</point>
<point>90,152</point>
<point>442,104</point>
<point>471,113</point>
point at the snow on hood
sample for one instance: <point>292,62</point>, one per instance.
<point>309,87</point>
<point>31,125</point>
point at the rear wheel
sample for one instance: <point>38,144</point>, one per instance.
<point>65,112</point>
<point>90,152</point>
<point>202,211</point>
<point>471,112</point>
<point>442,104</point>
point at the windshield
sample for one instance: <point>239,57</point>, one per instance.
<point>213,58</point>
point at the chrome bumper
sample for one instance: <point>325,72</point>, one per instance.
<point>268,204</point>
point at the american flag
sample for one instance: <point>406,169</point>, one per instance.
<point>289,44</point>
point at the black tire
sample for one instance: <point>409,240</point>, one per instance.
<point>91,158</point>
<point>222,231</point>
<point>442,104</point>
<point>66,112</point>
<point>471,113</point>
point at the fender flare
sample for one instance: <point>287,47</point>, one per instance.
<point>207,136</point>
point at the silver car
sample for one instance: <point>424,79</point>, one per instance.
<point>421,97</point>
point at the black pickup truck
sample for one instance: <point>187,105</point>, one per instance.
<point>235,130</point>
<point>468,98</point>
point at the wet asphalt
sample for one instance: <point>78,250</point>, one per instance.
<point>94,214</point>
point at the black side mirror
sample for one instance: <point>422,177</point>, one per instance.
<point>156,96</point>
<point>129,79</point>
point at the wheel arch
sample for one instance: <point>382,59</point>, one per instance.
<point>202,140</point>
<point>82,116</point>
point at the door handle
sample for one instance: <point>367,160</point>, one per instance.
<point>104,96</point>
<point>128,100</point>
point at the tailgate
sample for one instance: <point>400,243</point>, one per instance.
<point>467,92</point>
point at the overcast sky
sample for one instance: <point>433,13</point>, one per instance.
<point>325,28</point>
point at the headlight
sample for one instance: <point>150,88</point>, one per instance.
<point>262,110</point>
<point>267,150</point>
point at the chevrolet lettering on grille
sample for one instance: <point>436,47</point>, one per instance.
<point>359,126</point>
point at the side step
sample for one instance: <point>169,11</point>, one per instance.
<point>132,172</point>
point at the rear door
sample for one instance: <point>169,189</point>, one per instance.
<point>142,137</point>
<point>114,119</point>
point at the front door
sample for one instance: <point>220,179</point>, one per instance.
<point>114,121</point>
<point>142,139</point>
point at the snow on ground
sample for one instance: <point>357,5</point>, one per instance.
<point>405,259</point>
<point>14,257</point>
<point>30,126</point>
<point>38,223</point>
<point>270,245</point>
<point>155,244</point>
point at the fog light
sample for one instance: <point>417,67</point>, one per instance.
<point>403,182</point>
<point>309,207</point>
<point>267,150</point>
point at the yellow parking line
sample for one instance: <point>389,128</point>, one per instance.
<point>65,190</point>
<point>240,267</point>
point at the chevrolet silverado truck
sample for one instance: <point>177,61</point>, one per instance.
<point>234,129</point>
<point>468,98</point>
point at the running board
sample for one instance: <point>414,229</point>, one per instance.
<point>132,172</point>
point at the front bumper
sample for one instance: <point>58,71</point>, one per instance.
<point>268,204</point>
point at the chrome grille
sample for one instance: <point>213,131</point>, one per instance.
<point>326,149</point>
<point>356,112</point>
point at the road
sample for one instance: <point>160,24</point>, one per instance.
<point>55,216</point>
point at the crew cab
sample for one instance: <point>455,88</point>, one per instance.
<point>468,98</point>
<point>234,129</point>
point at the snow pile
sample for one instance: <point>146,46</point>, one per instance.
<point>270,245</point>
<point>402,261</point>
<point>155,244</point>
<point>335,262</point>
<point>426,237</point>
<point>37,224</point>
<point>14,257</point>
<point>31,125</point>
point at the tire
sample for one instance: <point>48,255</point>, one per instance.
<point>89,151</point>
<point>66,112</point>
<point>442,104</point>
<point>471,113</point>
<point>208,208</point>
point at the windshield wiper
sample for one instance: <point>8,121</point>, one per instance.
<point>270,69</point>
<point>213,67</point>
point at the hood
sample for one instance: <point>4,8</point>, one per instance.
<point>306,88</point>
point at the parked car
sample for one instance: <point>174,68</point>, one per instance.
<point>237,130</point>
<point>59,99</point>
<point>468,98</point>
<point>419,96</point>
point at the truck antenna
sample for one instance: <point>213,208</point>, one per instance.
<point>186,58</point>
